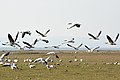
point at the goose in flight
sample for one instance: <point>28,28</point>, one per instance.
<point>92,49</point>
<point>69,41</point>
<point>12,42</point>
<point>95,37</point>
<point>55,46</point>
<point>74,25</point>
<point>28,45</point>
<point>25,32</point>
<point>111,41</point>
<point>44,40</point>
<point>43,35</point>
<point>3,55</point>
<point>76,48</point>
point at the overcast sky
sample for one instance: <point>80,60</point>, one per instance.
<point>41,15</point>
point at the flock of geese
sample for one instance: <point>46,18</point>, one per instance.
<point>14,43</point>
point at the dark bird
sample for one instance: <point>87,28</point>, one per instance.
<point>12,42</point>
<point>111,41</point>
<point>92,49</point>
<point>28,45</point>
<point>44,40</point>
<point>76,48</point>
<point>55,46</point>
<point>3,55</point>
<point>43,35</point>
<point>95,37</point>
<point>74,25</point>
<point>69,41</point>
<point>25,32</point>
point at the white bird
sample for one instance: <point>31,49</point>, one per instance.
<point>15,60</point>
<point>7,64</point>
<point>75,60</point>
<point>81,60</point>
<point>43,35</point>
<point>111,41</point>
<point>95,37</point>
<point>31,65</point>
<point>76,48</point>
<point>13,66</point>
<point>92,49</point>
<point>52,53</point>
<point>3,55</point>
<point>50,66</point>
<point>41,60</point>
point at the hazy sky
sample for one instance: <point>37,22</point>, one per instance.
<point>94,15</point>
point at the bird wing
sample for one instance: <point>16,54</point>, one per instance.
<point>45,40</point>
<point>72,46</point>
<point>47,31</point>
<point>70,27</point>
<point>57,56</point>
<point>35,41</point>
<point>99,33</point>
<point>47,58</point>
<point>96,48</point>
<point>116,37</point>
<point>3,55</point>
<point>23,34</point>
<point>109,39</point>
<point>10,39</point>
<point>16,36</point>
<point>87,47</point>
<point>80,45</point>
<point>40,33</point>
<point>77,25</point>
<point>91,35</point>
<point>27,44</point>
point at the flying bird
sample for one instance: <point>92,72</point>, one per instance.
<point>76,48</point>
<point>95,37</point>
<point>111,41</point>
<point>28,45</point>
<point>92,49</point>
<point>3,55</point>
<point>69,41</point>
<point>44,40</point>
<point>74,25</point>
<point>43,35</point>
<point>54,46</point>
<point>12,42</point>
<point>25,32</point>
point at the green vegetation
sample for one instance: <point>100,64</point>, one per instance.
<point>93,67</point>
